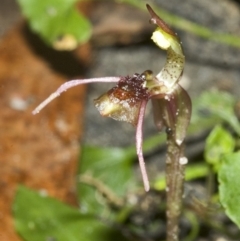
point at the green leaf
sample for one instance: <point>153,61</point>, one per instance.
<point>229,190</point>
<point>57,20</point>
<point>38,217</point>
<point>219,142</point>
<point>110,166</point>
<point>213,106</point>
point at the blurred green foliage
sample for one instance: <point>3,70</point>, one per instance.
<point>62,26</point>
<point>111,168</point>
<point>38,218</point>
<point>107,179</point>
<point>218,143</point>
<point>58,22</point>
<point>229,190</point>
<point>106,176</point>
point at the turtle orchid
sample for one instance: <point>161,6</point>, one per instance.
<point>128,99</point>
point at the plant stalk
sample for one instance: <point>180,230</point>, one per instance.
<point>175,165</point>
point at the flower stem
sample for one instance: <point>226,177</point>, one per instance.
<point>175,179</point>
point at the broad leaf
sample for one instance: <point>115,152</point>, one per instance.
<point>39,218</point>
<point>112,167</point>
<point>56,21</point>
<point>213,106</point>
<point>219,142</point>
<point>229,188</point>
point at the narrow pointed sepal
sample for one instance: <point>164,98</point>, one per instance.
<point>183,113</point>
<point>165,38</point>
<point>139,140</point>
<point>174,112</point>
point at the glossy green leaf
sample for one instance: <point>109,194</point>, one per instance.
<point>110,166</point>
<point>229,190</point>
<point>219,142</point>
<point>55,20</point>
<point>38,217</point>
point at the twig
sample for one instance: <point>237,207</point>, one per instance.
<point>103,189</point>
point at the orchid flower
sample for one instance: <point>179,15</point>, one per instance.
<point>128,99</point>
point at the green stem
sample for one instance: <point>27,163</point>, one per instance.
<point>174,188</point>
